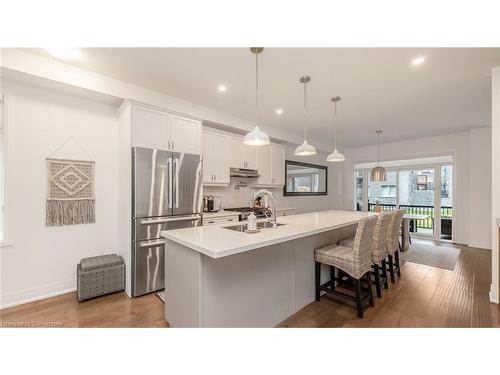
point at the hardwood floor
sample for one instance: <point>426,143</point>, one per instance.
<point>424,297</point>
<point>114,310</point>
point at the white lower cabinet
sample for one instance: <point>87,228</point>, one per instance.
<point>215,159</point>
<point>221,220</point>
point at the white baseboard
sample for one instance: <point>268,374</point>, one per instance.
<point>36,294</point>
<point>480,246</point>
<point>493,295</point>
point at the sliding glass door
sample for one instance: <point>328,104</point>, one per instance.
<point>426,191</point>
<point>417,197</point>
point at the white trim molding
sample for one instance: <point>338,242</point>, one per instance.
<point>36,294</point>
<point>493,294</point>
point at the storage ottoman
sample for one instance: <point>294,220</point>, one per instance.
<point>100,275</point>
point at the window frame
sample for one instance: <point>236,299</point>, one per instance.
<point>303,194</point>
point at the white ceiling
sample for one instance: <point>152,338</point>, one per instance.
<point>450,92</point>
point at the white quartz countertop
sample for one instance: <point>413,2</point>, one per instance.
<point>217,242</point>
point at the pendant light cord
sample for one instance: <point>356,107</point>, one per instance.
<point>305,116</point>
<point>378,149</point>
<point>256,89</point>
<point>335,127</point>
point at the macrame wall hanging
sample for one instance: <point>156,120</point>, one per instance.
<point>70,190</point>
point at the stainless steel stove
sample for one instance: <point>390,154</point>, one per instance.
<point>260,212</point>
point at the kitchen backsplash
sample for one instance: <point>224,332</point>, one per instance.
<point>231,197</point>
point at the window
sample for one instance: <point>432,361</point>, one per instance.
<point>305,179</point>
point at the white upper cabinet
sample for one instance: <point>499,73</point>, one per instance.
<point>152,128</point>
<point>271,165</point>
<point>242,155</point>
<point>235,152</point>
<point>277,164</point>
<point>250,156</point>
<point>149,128</point>
<point>215,159</point>
<point>264,164</point>
<point>185,135</point>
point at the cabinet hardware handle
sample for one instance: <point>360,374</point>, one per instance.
<point>173,145</point>
<point>168,148</point>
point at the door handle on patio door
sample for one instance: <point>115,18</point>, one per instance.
<point>176,174</point>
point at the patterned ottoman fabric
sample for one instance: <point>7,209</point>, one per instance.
<point>100,261</point>
<point>100,275</point>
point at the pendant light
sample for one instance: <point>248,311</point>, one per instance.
<point>335,155</point>
<point>256,137</point>
<point>378,173</point>
<point>305,149</point>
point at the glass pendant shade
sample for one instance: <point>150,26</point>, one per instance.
<point>256,137</point>
<point>335,156</point>
<point>378,174</point>
<point>305,149</point>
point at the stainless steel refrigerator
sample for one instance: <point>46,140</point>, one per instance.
<point>166,194</point>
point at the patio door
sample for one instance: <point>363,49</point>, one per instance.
<point>419,194</point>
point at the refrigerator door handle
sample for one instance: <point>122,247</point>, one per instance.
<point>152,244</point>
<point>170,220</point>
<point>169,187</point>
<point>176,174</point>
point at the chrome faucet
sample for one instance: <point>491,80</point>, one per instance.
<point>264,191</point>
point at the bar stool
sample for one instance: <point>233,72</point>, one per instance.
<point>355,262</point>
<point>379,250</point>
<point>393,244</point>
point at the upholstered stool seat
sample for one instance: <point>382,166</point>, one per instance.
<point>341,257</point>
<point>347,242</point>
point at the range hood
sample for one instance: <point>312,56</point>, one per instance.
<point>243,173</point>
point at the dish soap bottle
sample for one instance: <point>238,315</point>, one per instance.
<point>252,222</point>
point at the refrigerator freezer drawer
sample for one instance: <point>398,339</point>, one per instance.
<point>150,228</point>
<point>149,267</point>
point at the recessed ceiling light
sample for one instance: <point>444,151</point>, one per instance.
<point>64,53</point>
<point>418,61</point>
<point>278,111</point>
<point>221,88</point>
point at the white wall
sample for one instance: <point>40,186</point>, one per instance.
<point>239,198</point>
<point>42,260</point>
<point>480,188</point>
<point>468,149</point>
<point>495,171</point>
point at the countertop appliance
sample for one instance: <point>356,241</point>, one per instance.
<point>260,212</point>
<point>211,203</point>
<point>166,194</point>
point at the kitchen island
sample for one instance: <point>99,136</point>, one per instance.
<point>218,277</point>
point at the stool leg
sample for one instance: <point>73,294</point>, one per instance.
<point>357,287</point>
<point>391,269</point>
<point>377,281</point>
<point>384,274</point>
<point>396,256</point>
<point>332,277</point>
<point>370,288</point>
<point>318,278</point>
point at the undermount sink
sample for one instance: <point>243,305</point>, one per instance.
<point>260,225</point>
